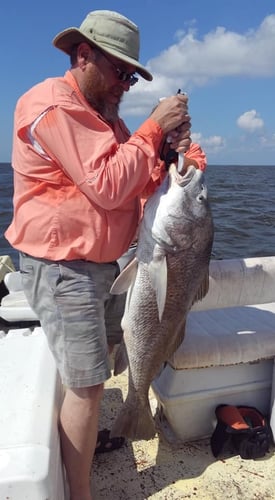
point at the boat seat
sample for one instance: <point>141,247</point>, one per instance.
<point>227,336</point>
<point>14,306</point>
<point>228,352</point>
<point>235,322</point>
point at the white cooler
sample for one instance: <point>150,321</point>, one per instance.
<point>30,397</point>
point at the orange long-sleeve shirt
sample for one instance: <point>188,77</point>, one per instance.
<point>77,180</point>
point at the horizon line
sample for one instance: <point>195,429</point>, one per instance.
<point>209,164</point>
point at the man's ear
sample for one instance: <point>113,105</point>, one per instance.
<point>85,53</point>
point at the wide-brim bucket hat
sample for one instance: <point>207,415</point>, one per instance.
<point>111,32</point>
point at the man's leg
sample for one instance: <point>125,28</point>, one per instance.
<point>69,298</point>
<point>78,432</point>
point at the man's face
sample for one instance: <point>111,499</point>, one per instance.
<point>102,87</point>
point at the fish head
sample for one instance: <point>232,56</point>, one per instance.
<point>183,216</point>
<point>187,193</point>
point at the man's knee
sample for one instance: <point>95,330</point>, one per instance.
<point>94,391</point>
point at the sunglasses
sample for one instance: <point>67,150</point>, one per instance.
<point>122,76</point>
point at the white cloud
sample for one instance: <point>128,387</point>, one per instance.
<point>268,141</point>
<point>250,121</point>
<point>211,144</point>
<point>194,61</point>
<point>219,53</point>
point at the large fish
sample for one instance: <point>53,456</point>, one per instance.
<point>168,274</point>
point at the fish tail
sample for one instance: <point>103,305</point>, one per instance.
<point>134,422</point>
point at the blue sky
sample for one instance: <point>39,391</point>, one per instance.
<point>221,53</point>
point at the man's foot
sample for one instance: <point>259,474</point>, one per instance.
<point>105,443</point>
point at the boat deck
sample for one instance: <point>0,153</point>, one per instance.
<point>156,469</point>
<point>160,470</point>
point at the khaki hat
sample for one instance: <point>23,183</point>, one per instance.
<point>111,32</point>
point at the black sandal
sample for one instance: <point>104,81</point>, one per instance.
<point>105,443</point>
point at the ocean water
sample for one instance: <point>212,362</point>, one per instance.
<point>243,206</point>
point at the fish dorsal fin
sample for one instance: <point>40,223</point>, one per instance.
<point>203,288</point>
<point>125,278</point>
<point>158,275</point>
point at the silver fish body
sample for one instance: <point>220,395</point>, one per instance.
<point>168,274</point>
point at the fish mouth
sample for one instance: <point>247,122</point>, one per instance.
<point>185,176</point>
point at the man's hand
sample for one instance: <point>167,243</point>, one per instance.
<point>172,113</point>
<point>180,139</point>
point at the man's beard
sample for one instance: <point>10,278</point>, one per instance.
<point>95,93</point>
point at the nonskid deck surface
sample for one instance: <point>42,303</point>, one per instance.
<point>156,469</point>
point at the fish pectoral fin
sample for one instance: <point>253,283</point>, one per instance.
<point>203,288</point>
<point>125,278</point>
<point>158,275</point>
<point>121,359</point>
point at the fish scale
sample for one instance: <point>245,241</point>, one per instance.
<point>168,274</point>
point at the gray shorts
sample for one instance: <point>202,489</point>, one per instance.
<point>77,313</point>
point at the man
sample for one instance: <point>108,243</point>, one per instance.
<point>78,180</point>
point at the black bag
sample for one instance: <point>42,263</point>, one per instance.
<point>245,427</point>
